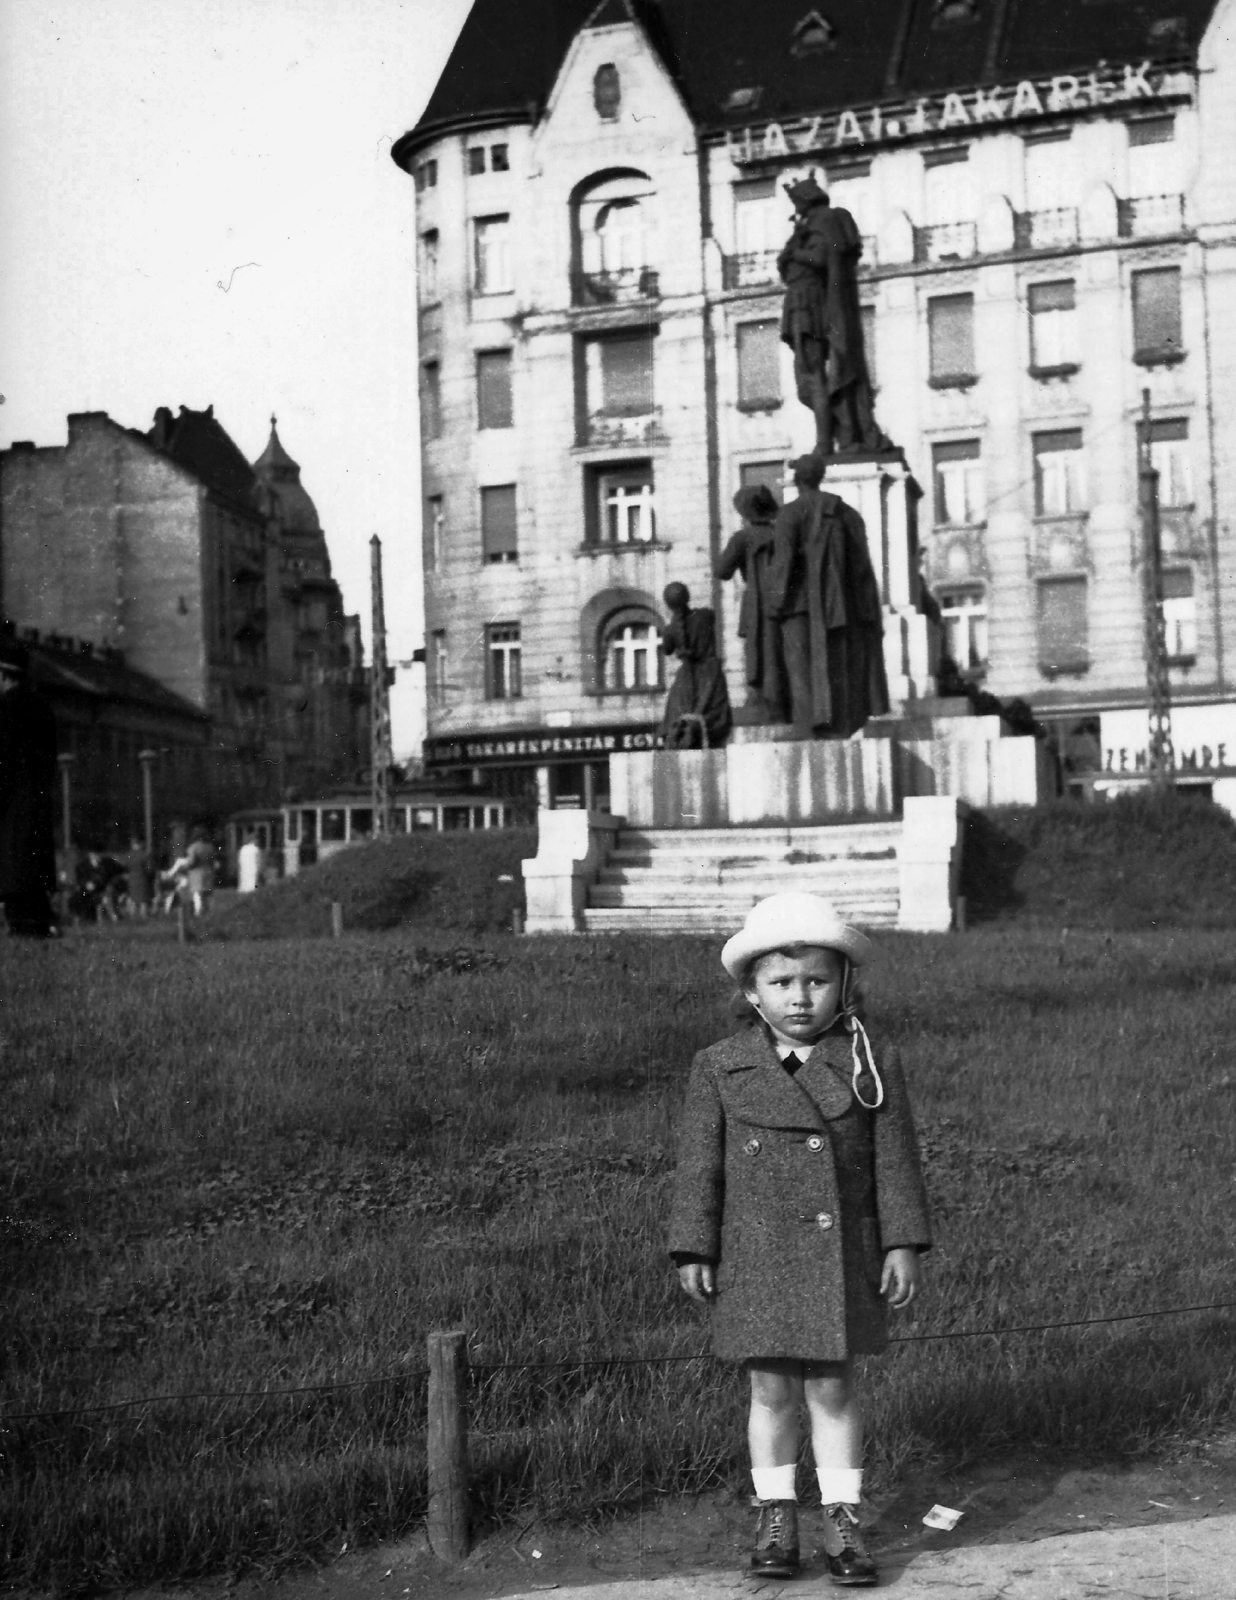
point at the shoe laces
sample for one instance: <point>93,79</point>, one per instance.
<point>846,1524</point>
<point>775,1525</point>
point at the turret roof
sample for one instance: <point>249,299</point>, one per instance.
<point>275,470</point>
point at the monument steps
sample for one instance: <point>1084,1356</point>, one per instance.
<point>676,880</point>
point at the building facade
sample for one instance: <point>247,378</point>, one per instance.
<point>1047,197</point>
<point>166,553</point>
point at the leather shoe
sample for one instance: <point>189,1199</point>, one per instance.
<point>776,1540</point>
<point>846,1557</point>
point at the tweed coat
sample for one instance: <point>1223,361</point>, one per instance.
<point>795,1191</point>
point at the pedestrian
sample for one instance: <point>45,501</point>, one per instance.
<point>799,1211</point>
<point>198,866</point>
<point>249,865</point>
<point>139,869</point>
<point>27,798</point>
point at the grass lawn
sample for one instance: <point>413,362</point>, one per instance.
<point>236,1165</point>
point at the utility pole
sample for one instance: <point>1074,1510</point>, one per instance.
<point>380,759</point>
<point>1160,756</point>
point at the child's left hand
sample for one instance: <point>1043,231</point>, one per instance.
<point>899,1280</point>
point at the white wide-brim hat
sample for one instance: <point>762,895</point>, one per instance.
<point>784,920</point>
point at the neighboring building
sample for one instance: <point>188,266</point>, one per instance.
<point>167,553</point>
<point>1048,199</point>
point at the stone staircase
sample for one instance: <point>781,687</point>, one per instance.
<point>701,880</point>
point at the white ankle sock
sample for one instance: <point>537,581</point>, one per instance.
<point>774,1483</point>
<point>840,1485</point>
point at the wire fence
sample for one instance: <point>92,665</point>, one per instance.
<point>409,1374</point>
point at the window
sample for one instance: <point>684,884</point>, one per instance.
<point>630,653</point>
<point>499,158</point>
<point>1059,473</point>
<point>1051,177</point>
<point>1064,639</point>
<point>427,267</point>
<point>493,255</point>
<point>612,218</point>
<point>958,474</point>
<point>618,375</point>
<point>948,187</point>
<point>502,647</point>
<point>760,219</point>
<point>476,160</point>
<point>334,825</point>
<point>499,524</point>
<point>1053,327</point>
<point>493,389</point>
<point>851,190</point>
<point>950,327</point>
<point>759,364</point>
<point>431,400</point>
<point>1154,157</point>
<point>607,92</point>
<point>435,530</point>
<point>622,509</point>
<point>770,473</point>
<point>1156,316</point>
<point>867,316</point>
<point>437,667</point>
<point>963,616</point>
<point>1169,456</point>
<point>426,176</point>
<point>1179,613</point>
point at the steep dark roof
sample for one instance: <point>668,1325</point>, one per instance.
<point>196,441</point>
<point>103,676</point>
<point>507,56</point>
<point>275,470</point>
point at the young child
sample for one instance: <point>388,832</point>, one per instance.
<point>799,1212</point>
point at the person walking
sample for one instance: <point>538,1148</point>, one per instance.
<point>799,1212</point>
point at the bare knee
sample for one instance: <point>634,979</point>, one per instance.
<point>776,1387</point>
<point>828,1387</point>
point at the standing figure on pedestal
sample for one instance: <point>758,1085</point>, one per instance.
<point>824,589</point>
<point>697,708</point>
<point>750,552</point>
<point>821,321</point>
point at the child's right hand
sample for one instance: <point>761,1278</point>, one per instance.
<point>698,1278</point>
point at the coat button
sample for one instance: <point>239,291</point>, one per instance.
<point>752,1147</point>
<point>815,1142</point>
<point>824,1220</point>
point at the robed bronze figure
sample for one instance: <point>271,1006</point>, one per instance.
<point>821,321</point>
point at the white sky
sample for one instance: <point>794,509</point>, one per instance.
<point>199,206</point>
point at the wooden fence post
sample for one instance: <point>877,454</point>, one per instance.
<point>447,1446</point>
<point>336,918</point>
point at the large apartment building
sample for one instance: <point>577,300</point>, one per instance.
<point>1047,195</point>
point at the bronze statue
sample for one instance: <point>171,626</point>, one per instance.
<point>822,587</point>
<point>750,551</point>
<point>821,321</point>
<point>697,708</point>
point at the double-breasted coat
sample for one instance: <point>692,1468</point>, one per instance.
<point>795,1191</point>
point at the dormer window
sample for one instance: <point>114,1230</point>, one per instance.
<point>813,35</point>
<point>607,92</point>
<point>954,13</point>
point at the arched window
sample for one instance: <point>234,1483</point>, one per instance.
<point>613,239</point>
<point>620,643</point>
<point>629,652</point>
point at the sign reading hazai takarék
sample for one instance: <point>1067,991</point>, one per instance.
<point>957,111</point>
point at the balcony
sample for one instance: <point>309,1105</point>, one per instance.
<point>1150,216</point>
<point>614,288</point>
<point>1181,534</point>
<point>609,430</point>
<point>752,271</point>
<point>1045,230</point>
<point>946,241</point>
<point>956,553</point>
<point>1059,545</point>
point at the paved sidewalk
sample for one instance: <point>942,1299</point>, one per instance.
<point>1164,1561</point>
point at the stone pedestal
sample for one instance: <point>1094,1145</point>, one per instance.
<point>884,493</point>
<point>571,849</point>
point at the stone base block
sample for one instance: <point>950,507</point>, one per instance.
<point>571,849</point>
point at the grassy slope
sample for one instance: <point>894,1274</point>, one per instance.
<point>439,880</point>
<point>1132,863</point>
<point>233,1166</point>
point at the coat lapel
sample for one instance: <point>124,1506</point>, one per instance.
<point>759,1090</point>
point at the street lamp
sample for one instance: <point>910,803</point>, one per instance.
<point>147,758</point>
<point>66,759</point>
